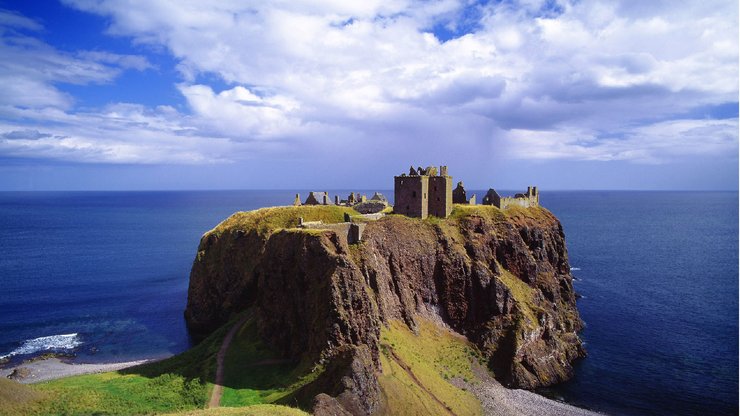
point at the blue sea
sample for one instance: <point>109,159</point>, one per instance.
<point>103,276</point>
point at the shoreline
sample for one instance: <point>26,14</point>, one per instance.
<point>496,399</point>
<point>54,368</point>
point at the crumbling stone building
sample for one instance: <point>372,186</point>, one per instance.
<point>423,192</point>
<point>317,198</point>
<point>459,196</point>
<point>530,199</point>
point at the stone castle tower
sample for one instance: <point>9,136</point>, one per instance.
<point>423,192</point>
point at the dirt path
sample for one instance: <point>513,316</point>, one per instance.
<point>218,387</point>
<point>411,374</point>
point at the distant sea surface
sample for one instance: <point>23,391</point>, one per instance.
<point>103,276</point>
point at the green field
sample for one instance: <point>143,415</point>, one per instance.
<point>179,384</point>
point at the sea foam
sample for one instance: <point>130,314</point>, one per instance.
<point>57,343</point>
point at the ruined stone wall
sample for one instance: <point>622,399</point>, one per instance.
<point>440,196</point>
<point>526,202</point>
<point>411,196</point>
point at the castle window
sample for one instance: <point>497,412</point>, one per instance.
<point>413,194</point>
<point>425,195</point>
<point>437,198</point>
<point>407,207</point>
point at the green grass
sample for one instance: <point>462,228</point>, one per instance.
<point>256,410</point>
<point>434,357</point>
<point>268,220</point>
<point>178,383</point>
<point>518,214</point>
<point>256,375</point>
<point>122,394</point>
<point>461,211</point>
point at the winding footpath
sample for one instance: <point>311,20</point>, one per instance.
<point>218,385</point>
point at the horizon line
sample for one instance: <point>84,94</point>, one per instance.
<point>356,189</point>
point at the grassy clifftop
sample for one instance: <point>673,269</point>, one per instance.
<point>268,220</point>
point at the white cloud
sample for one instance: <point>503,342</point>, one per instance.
<point>239,113</point>
<point>30,68</point>
<point>122,133</point>
<point>554,82</point>
<point>653,143</point>
<point>10,20</point>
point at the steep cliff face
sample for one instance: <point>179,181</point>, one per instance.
<point>500,278</point>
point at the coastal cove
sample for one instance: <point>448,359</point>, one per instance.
<point>104,276</point>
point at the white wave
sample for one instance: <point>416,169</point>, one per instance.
<point>49,343</point>
<point>575,269</point>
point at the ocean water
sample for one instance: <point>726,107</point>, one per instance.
<point>103,276</point>
<point>658,272</point>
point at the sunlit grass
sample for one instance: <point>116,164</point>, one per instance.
<point>435,356</point>
<point>256,410</point>
<point>268,220</point>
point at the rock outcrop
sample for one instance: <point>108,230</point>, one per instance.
<point>500,278</point>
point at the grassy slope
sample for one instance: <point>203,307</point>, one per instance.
<point>177,384</point>
<point>256,410</point>
<point>417,370</point>
<point>255,375</point>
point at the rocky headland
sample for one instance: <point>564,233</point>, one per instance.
<point>496,280</point>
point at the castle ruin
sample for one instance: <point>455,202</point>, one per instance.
<point>355,200</point>
<point>423,192</point>
<point>530,199</point>
<point>459,196</point>
<point>316,198</point>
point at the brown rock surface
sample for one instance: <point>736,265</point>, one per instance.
<point>20,373</point>
<point>501,278</point>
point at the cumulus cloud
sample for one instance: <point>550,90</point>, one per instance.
<point>597,80</point>
<point>239,113</point>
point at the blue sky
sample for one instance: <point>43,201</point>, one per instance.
<point>148,94</point>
